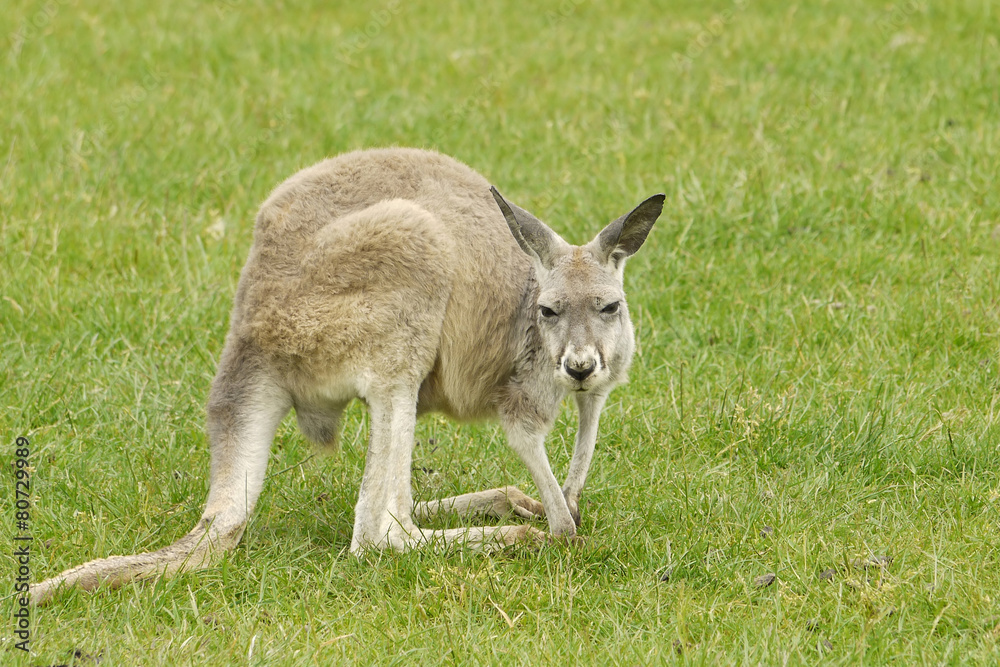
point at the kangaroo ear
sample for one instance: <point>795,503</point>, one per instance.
<point>534,237</point>
<point>623,237</point>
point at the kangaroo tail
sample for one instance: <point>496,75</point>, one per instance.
<point>244,409</point>
<point>199,549</point>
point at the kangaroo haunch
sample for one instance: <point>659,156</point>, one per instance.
<point>401,277</point>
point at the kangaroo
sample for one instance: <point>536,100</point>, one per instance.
<point>401,277</point>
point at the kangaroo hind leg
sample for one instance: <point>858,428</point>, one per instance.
<point>244,411</point>
<point>492,503</point>
<point>245,407</point>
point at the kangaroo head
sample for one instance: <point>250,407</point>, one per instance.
<point>581,312</point>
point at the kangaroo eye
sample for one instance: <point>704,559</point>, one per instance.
<point>547,312</point>
<point>611,308</point>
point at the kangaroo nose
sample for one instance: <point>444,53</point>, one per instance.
<point>580,372</point>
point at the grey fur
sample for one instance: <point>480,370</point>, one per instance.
<point>389,275</point>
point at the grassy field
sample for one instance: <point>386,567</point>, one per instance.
<point>816,389</point>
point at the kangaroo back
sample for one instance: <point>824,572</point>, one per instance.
<point>300,257</point>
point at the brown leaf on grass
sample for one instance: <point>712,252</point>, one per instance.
<point>871,562</point>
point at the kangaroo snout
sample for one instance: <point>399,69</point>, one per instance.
<point>579,365</point>
<point>580,370</point>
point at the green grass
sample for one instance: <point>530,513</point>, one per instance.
<point>817,313</point>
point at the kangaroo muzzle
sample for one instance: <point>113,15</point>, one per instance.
<point>580,365</point>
